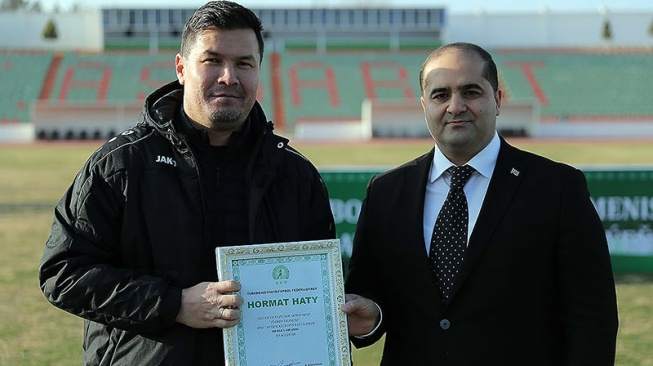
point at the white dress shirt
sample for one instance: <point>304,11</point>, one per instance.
<point>438,186</point>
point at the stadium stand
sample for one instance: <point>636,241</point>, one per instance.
<point>574,85</point>
<point>109,77</point>
<point>325,92</point>
<point>333,86</point>
<point>568,85</point>
<point>21,75</point>
<point>324,66</point>
<point>115,77</point>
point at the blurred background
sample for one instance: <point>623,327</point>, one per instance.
<point>336,70</point>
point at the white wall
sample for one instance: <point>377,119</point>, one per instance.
<point>537,30</point>
<point>76,31</point>
<point>83,30</point>
<point>74,120</point>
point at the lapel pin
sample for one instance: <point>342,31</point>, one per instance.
<point>514,172</point>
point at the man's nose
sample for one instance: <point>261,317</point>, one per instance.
<point>457,105</point>
<point>228,75</point>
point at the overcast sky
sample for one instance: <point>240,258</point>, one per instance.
<point>452,6</point>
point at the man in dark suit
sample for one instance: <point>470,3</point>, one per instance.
<point>532,283</point>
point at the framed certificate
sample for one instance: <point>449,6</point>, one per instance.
<point>291,314</point>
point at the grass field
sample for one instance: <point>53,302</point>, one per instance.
<point>33,177</point>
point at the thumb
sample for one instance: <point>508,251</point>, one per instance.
<point>354,302</point>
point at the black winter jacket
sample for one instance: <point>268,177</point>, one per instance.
<point>134,229</point>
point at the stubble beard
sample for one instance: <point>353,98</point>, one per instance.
<point>227,120</point>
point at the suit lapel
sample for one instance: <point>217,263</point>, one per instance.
<point>503,185</point>
<point>412,217</point>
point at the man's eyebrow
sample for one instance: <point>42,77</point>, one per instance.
<point>438,90</point>
<point>209,53</point>
<point>471,86</point>
<point>248,57</point>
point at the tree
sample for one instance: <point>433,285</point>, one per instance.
<point>607,30</point>
<point>20,4</point>
<point>13,4</point>
<point>50,31</point>
<point>36,7</point>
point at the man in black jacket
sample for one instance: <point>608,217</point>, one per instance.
<point>131,249</point>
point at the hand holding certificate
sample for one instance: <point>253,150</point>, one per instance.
<point>291,312</point>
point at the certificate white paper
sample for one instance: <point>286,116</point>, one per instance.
<point>291,312</point>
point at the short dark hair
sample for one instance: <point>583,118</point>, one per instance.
<point>225,15</point>
<point>489,69</point>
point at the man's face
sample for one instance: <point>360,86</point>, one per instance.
<point>459,105</point>
<point>220,77</point>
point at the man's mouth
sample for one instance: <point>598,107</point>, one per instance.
<point>219,96</point>
<point>458,122</point>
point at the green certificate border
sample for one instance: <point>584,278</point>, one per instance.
<point>231,261</point>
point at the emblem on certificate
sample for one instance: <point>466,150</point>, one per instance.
<point>291,314</point>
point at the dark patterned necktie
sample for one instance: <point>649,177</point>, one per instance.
<point>449,239</point>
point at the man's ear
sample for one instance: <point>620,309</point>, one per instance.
<point>497,97</point>
<point>179,68</point>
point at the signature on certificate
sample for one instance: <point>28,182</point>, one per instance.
<point>283,363</point>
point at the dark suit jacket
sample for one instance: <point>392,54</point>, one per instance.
<point>536,287</point>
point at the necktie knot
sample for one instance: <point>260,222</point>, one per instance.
<point>459,176</point>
